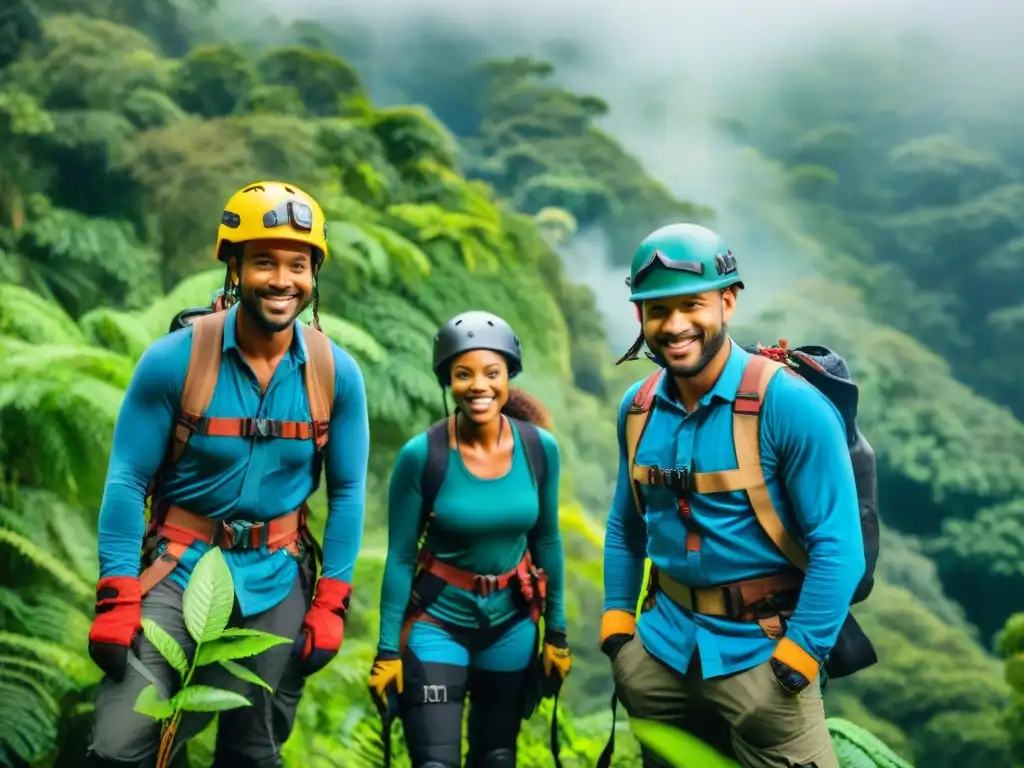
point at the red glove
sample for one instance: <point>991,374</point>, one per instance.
<point>118,620</point>
<point>324,626</point>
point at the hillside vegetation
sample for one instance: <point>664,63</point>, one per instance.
<point>124,128</point>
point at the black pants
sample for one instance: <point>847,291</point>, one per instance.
<point>432,703</point>
<point>247,736</point>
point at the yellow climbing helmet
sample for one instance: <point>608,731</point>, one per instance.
<point>272,210</point>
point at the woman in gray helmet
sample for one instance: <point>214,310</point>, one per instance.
<point>460,613</point>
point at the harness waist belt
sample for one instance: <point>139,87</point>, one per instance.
<point>479,584</point>
<point>748,600</point>
<point>184,527</point>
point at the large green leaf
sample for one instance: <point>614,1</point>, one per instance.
<point>244,673</point>
<point>679,748</point>
<point>858,748</point>
<point>150,704</point>
<point>166,645</point>
<point>209,597</point>
<point>221,649</point>
<point>205,698</point>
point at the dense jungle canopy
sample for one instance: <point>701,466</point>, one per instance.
<point>125,126</point>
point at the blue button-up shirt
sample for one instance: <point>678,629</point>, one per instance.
<point>236,478</point>
<point>810,479</point>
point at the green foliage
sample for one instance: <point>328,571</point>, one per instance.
<point>856,748</point>
<point>206,608</point>
<point>324,83</point>
<point>47,589</point>
<point>120,139</point>
<point>1010,645</point>
<point>679,748</point>
<point>213,80</point>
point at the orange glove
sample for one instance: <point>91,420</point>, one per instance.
<point>557,662</point>
<point>386,678</point>
<point>617,629</point>
<point>793,667</point>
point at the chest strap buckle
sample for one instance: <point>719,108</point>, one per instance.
<point>679,481</point>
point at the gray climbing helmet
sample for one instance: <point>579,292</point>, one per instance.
<point>475,330</point>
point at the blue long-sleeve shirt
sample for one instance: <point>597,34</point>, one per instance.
<point>480,525</point>
<point>235,478</point>
<point>810,479</point>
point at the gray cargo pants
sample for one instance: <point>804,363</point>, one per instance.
<point>746,714</point>
<point>247,736</point>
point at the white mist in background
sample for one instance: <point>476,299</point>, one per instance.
<point>669,68</point>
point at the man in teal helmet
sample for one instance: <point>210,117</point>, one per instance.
<point>684,261</point>
<point>728,476</point>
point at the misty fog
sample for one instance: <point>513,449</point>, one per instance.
<point>669,69</point>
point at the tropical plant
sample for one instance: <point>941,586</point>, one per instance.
<point>207,603</point>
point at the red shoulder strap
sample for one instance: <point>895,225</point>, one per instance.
<point>645,395</point>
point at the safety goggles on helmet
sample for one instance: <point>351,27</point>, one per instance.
<point>292,212</point>
<point>724,263</point>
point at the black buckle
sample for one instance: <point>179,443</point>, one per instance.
<point>259,426</point>
<point>679,481</point>
<point>238,535</point>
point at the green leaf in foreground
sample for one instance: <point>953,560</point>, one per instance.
<point>167,646</point>
<point>232,632</point>
<point>856,747</point>
<point>678,748</point>
<point>150,704</point>
<point>205,698</point>
<point>244,673</point>
<point>209,597</point>
<point>223,649</point>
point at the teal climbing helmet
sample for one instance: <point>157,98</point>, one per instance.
<point>681,259</point>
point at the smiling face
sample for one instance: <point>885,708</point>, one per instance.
<point>479,381</point>
<point>688,331</point>
<point>275,282</point>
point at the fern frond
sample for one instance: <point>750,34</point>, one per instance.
<point>76,664</point>
<point>29,317</point>
<point>119,332</point>
<point>857,747</point>
<point>352,338</point>
<point>27,729</point>
<point>44,561</point>
<point>353,246</point>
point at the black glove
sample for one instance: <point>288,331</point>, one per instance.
<point>613,644</point>
<point>790,680</point>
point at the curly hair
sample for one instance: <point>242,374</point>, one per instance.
<point>525,407</point>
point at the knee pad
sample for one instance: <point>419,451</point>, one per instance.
<point>498,758</point>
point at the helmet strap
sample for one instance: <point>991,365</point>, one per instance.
<point>633,351</point>
<point>316,297</point>
<point>230,294</point>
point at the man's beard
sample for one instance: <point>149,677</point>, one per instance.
<point>709,347</point>
<point>251,303</point>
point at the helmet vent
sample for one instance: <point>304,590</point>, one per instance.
<point>289,190</point>
<point>253,188</point>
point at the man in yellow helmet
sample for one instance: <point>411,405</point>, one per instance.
<point>249,397</point>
